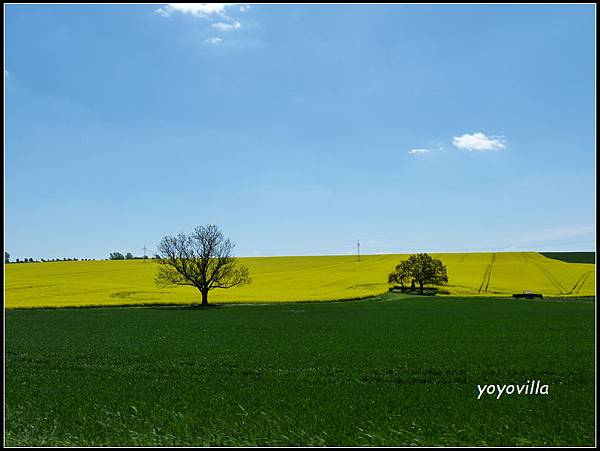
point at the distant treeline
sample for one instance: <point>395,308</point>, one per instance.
<point>112,256</point>
<point>128,256</point>
<point>572,257</point>
<point>44,260</point>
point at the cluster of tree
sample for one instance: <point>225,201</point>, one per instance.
<point>421,270</point>
<point>31,260</point>
<point>202,259</point>
<point>119,256</point>
<point>67,259</point>
<point>25,260</point>
<point>45,260</point>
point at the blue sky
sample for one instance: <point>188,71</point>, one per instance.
<point>299,129</point>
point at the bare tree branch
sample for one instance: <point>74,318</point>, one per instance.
<point>203,259</point>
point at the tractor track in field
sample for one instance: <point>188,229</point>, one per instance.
<point>485,283</point>
<point>580,282</point>
<point>561,289</point>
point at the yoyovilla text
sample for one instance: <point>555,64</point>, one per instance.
<point>530,388</point>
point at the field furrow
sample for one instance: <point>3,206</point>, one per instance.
<point>561,289</point>
<point>580,282</point>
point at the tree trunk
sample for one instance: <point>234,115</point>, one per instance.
<point>204,298</point>
<point>421,287</point>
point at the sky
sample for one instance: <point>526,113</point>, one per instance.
<point>299,129</point>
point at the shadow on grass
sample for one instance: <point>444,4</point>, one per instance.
<point>427,291</point>
<point>391,295</point>
<point>156,305</point>
<point>195,307</point>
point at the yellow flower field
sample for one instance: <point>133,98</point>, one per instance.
<point>276,279</point>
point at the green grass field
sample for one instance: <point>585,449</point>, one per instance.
<point>572,257</point>
<point>60,284</point>
<point>393,370</point>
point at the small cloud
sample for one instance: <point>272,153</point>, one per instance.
<point>226,26</point>
<point>214,40</point>
<point>479,142</point>
<point>194,9</point>
<point>419,151</point>
<point>6,73</point>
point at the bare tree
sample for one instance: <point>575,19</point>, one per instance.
<point>202,259</point>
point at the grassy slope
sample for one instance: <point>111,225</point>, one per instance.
<point>390,371</point>
<point>572,257</point>
<point>289,279</point>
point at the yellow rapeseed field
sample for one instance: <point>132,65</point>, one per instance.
<point>275,279</point>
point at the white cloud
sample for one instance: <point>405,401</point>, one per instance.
<point>419,151</point>
<point>478,141</point>
<point>214,40</point>
<point>195,9</point>
<point>226,26</point>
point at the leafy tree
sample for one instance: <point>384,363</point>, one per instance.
<point>421,269</point>
<point>427,270</point>
<point>6,257</point>
<point>401,274</point>
<point>129,256</point>
<point>202,259</point>
<point>116,256</point>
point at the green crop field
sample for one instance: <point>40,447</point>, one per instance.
<point>572,257</point>
<point>392,370</point>
<point>59,284</point>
